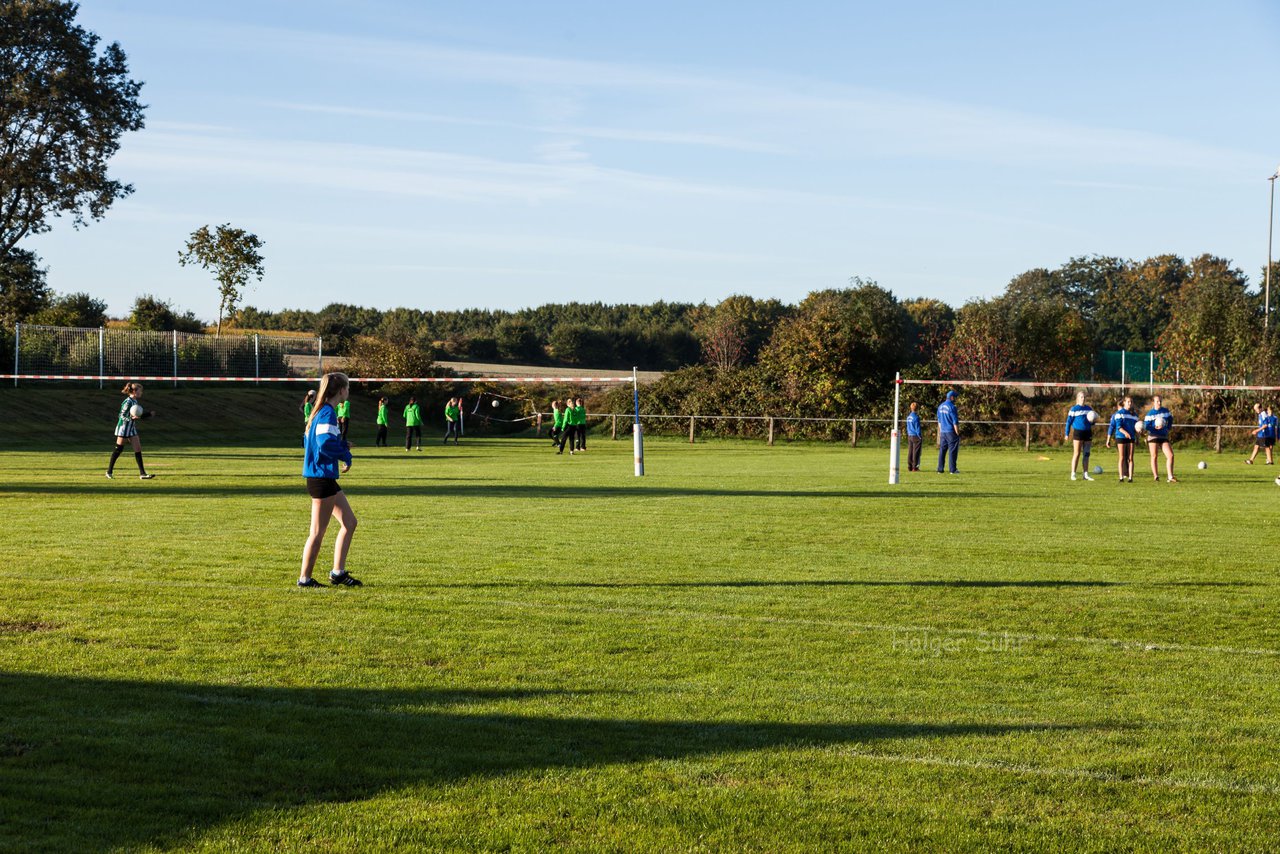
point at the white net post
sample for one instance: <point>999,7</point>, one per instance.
<point>17,348</point>
<point>637,430</point>
<point>893,435</point>
<point>101,355</point>
<point>175,358</point>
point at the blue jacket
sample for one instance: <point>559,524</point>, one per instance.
<point>1150,423</point>
<point>913,423</point>
<point>1123,419</point>
<point>948,418</point>
<point>1078,418</point>
<point>1273,424</point>
<point>322,447</point>
<point>1266,422</point>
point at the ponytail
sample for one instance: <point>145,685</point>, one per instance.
<point>330,384</point>
<point>130,388</point>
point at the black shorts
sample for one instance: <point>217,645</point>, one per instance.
<point>1157,440</point>
<point>1082,435</point>
<point>323,487</point>
<point>1121,440</point>
<point>1267,443</point>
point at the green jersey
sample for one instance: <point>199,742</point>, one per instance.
<point>306,410</point>
<point>344,409</point>
<point>580,415</point>
<point>451,413</point>
<point>412,416</point>
<point>557,418</point>
<point>382,414</point>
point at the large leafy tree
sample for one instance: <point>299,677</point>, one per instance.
<point>152,313</point>
<point>64,106</point>
<point>1135,306</point>
<point>23,289</point>
<point>837,354</point>
<point>980,347</point>
<point>1215,332</point>
<point>232,254</point>
<point>78,309</point>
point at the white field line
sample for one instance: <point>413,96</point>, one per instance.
<point>993,634</point>
<point>1208,783</point>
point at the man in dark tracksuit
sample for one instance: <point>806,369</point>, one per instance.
<point>948,432</point>
<point>914,440</point>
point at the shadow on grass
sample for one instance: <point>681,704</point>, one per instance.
<point>94,764</point>
<point>841,582</point>
<point>428,487</point>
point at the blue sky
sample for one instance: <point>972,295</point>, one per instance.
<point>507,154</point>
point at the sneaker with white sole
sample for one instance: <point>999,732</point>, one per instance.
<point>110,476</point>
<point>146,477</point>
<point>1086,476</point>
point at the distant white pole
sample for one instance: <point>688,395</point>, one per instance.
<point>1266,313</point>
<point>1122,354</point>
<point>1151,374</point>
<point>636,431</point>
<point>175,358</point>
<point>101,364</point>
<point>257,364</point>
<point>17,340</point>
<point>893,437</point>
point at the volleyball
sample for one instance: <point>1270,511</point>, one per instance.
<point>1158,423</point>
<point>136,410</point>
<point>1137,426</point>
<point>1202,465</point>
<point>1097,469</point>
<point>494,404</point>
<point>1091,416</point>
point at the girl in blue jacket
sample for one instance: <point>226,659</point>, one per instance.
<point>323,450</point>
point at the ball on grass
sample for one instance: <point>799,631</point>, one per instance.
<point>1202,465</point>
<point>1097,469</point>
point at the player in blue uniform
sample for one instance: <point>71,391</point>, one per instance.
<point>323,449</point>
<point>1079,428</point>
<point>915,440</point>
<point>1157,423</point>
<point>1265,436</point>
<point>948,432</point>
<point>1123,429</point>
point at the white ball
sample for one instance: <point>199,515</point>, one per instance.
<point>1159,422</point>
<point>1139,426</point>
<point>1091,416</point>
<point>136,410</point>
<point>1278,481</point>
<point>494,404</point>
<point>1202,465</point>
<point>1097,469</point>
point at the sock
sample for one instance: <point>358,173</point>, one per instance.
<point>1086,450</point>
<point>137,455</point>
<point>115,455</point>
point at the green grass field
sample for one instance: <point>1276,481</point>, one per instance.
<point>750,648</point>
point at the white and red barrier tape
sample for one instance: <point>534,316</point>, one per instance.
<point>127,378</point>
<point>1132,386</point>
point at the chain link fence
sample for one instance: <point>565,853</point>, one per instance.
<point>77,353</point>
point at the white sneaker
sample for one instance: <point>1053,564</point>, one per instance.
<point>1073,475</point>
<point>110,476</point>
<point>1248,462</point>
<point>1086,476</point>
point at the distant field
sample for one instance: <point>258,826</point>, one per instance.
<point>750,648</point>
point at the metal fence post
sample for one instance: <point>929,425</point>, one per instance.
<point>257,365</point>
<point>1028,435</point>
<point>691,423</point>
<point>770,431</point>
<point>613,431</point>
<point>17,339</point>
<point>100,358</point>
<point>175,358</point>
<point>319,357</point>
<point>1217,440</point>
<point>853,434</point>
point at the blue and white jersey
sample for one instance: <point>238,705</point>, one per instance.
<point>913,423</point>
<point>323,447</point>
<point>1149,423</point>
<point>1273,427</point>
<point>948,418</point>
<point>1123,419</point>
<point>1078,418</point>
<point>1264,422</point>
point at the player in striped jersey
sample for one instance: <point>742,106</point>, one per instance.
<point>325,455</point>
<point>127,428</point>
<point>1079,428</point>
<point>1265,437</point>
<point>1123,428</point>
<point>1157,423</point>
